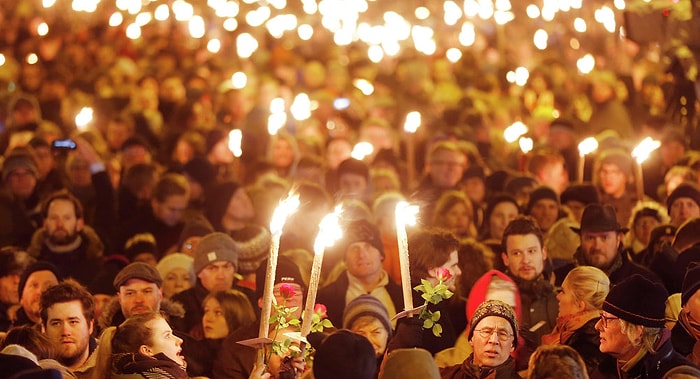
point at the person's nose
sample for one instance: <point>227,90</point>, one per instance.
<point>493,338</point>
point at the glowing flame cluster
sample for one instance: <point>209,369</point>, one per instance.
<point>644,149</point>
<point>514,131</point>
<point>329,230</point>
<point>406,213</point>
<point>285,209</point>
<point>587,146</point>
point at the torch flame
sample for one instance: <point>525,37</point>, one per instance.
<point>514,131</point>
<point>413,121</point>
<point>587,146</point>
<point>406,214</point>
<point>235,137</point>
<point>329,231</point>
<point>286,207</point>
<point>642,151</point>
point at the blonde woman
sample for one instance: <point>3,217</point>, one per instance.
<point>580,302</point>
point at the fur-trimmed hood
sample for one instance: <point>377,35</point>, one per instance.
<point>112,314</point>
<point>95,248</point>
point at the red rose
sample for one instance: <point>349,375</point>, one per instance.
<point>287,291</point>
<point>443,274</point>
<point>321,310</point>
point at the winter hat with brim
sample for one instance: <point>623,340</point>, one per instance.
<point>688,190</point>
<point>137,270</point>
<point>344,355</point>
<point>410,363</point>
<point>34,267</point>
<point>494,308</point>
<point>638,301</point>
<point>366,305</point>
<point>599,218</point>
<point>583,193</point>
<point>214,247</point>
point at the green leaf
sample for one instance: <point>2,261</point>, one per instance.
<point>294,322</point>
<point>437,330</point>
<point>426,296</point>
<point>441,288</point>
<point>448,294</point>
<point>327,323</point>
<point>435,316</point>
<point>427,324</point>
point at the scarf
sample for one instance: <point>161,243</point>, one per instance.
<point>503,371</point>
<point>692,326</point>
<point>567,325</point>
<point>157,366</point>
<point>580,258</point>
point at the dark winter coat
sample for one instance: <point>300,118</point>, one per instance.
<point>467,370</point>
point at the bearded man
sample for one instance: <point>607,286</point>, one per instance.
<point>65,240</point>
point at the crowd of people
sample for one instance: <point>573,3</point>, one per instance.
<point>135,243</point>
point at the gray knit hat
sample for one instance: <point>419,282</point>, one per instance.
<point>494,308</point>
<point>215,247</point>
<point>366,305</point>
<point>253,246</point>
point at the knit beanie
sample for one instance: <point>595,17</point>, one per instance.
<point>541,193</point>
<point>18,158</point>
<point>344,355</point>
<point>253,246</point>
<point>494,308</point>
<point>214,247</point>
<point>361,231</point>
<point>366,305</point>
<point>688,190</point>
<point>638,301</point>
<point>620,158</point>
<point>584,193</point>
<point>287,272</point>
<point>141,243</point>
<point>177,260</point>
<point>34,267</point>
<point>691,283</point>
<point>410,363</point>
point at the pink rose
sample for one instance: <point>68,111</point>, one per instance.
<point>443,274</point>
<point>321,310</point>
<point>287,291</point>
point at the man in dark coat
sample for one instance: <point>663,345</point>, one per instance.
<point>601,247</point>
<point>363,254</point>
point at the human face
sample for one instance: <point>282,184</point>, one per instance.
<point>61,224</point>
<point>612,179</point>
<point>600,248</point>
<point>101,301</point>
<point>683,209</point>
<point>503,213</point>
<point>217,276</point>
<point>612,340</point>
<point>576,208</point>
<point>545,211</point>
<point>337,151</point>
<point>555,176</point>
<point>524,256</point>
<point>9,289</point>
<point>374,331</point>
<point>69,331</point>
<point>213,321</point>
<point>164,341</point>
<point>290,302</point>
<point>44,160</point>
<point>475,188</point>
<point>170,211</point>
<point>176,281</point>
<point>134,155</point>
<point>458,219</point>
<point>568,304</point>
<point>643,227</point>
<point>30,298</point>
<point>446,168</point>
<point>352,185</point>
<point>21,182</point>
<point>240,207</point>
<point>491,351</point>
<point>363,260</point>
<point>282,153</point>
<point>692,307</point>
<point>138,296</point>
<point>452,265</point>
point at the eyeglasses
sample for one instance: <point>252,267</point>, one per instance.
<point>605,320</point>
<point>486,333</point>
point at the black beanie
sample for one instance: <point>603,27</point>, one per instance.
<point>540,193</point>
<point>287,272</point>
<point>353,166</point>
<point>344,355</point>
<point>688,190</point>
<point>691,283</point>
<point>584,193</point>
<point>361,231</point>
<point>34,267</point>
<point>638,301</point>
